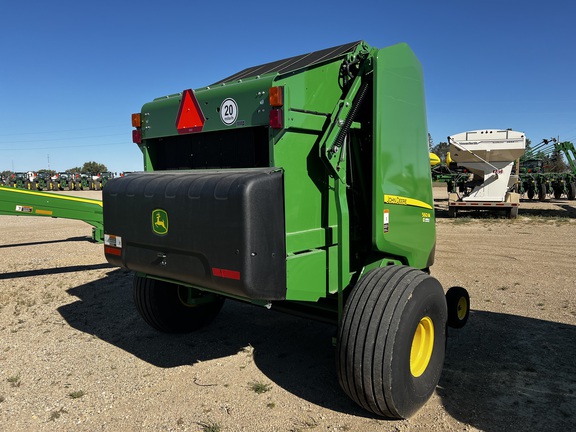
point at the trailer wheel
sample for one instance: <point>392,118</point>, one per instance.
<point>172,308</point>
<point>392,340</point>
<point>458,303</point>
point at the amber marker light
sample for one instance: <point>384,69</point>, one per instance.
<point>276,96</point>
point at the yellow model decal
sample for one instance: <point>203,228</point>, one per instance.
<point>399,200</point>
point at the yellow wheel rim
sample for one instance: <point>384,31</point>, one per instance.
<point>462,308</point>
<point>422,345</point>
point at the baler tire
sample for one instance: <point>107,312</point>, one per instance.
<point>458,303</point>
<point>161,306</point>
<point>392,341</point>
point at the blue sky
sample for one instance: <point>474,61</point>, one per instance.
<point>72,72</point>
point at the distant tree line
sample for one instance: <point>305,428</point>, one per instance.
<point>88,167</point>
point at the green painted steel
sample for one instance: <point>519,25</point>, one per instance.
<point>352,147</point>
<point>404,222</point>
<point>17,202</point>
<point>159,116</point>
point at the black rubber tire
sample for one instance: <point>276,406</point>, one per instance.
<point>458,303</point>
<point>160,304</point>
<point>558,193</point>
<point>530,193</point>
<point>571,191</point>
<point>374,347</point>
<point>541,191</point>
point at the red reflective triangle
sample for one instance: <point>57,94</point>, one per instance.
<point>190,117</point>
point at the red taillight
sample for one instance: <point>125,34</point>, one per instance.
<point>276,99</point>
<point>276,118</point>
<point>137,136</point>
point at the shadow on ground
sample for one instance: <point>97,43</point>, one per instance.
<point>295,353</point>
<point>506,372</point>
<point>502,372</point>
<point>38,243</point>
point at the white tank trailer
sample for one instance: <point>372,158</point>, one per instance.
<point>490,156</point>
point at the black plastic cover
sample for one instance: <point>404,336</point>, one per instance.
<point>221,230</point>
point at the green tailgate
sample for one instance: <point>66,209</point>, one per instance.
<point>403,223</point>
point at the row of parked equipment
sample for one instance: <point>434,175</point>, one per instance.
<point>60,181</point>
<point>490,170</point>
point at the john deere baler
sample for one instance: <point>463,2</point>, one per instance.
<point>301,185</point>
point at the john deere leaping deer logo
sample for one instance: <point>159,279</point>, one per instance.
<point>160,221</point>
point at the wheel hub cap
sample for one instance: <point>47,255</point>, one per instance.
<point>422,345</point>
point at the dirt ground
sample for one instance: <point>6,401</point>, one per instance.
<point>76,356</point>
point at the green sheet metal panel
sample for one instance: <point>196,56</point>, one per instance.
<point>249,97</point>
<point>310,96</point>
<point>403,223</point>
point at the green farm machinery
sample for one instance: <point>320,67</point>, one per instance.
<point>61,181</point>
<point>79,181</point>
<point>536,181</point>
<point>17,180</point>
<point>98,181</point>
<point>35,203</point>
<point>301,185</point>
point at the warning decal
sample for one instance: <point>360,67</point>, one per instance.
<point>386,221</point>
<point>190,117</point>
<point>24,209</point>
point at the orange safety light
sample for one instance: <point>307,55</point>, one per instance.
<point>276,96</point>
<point>136,120</point>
